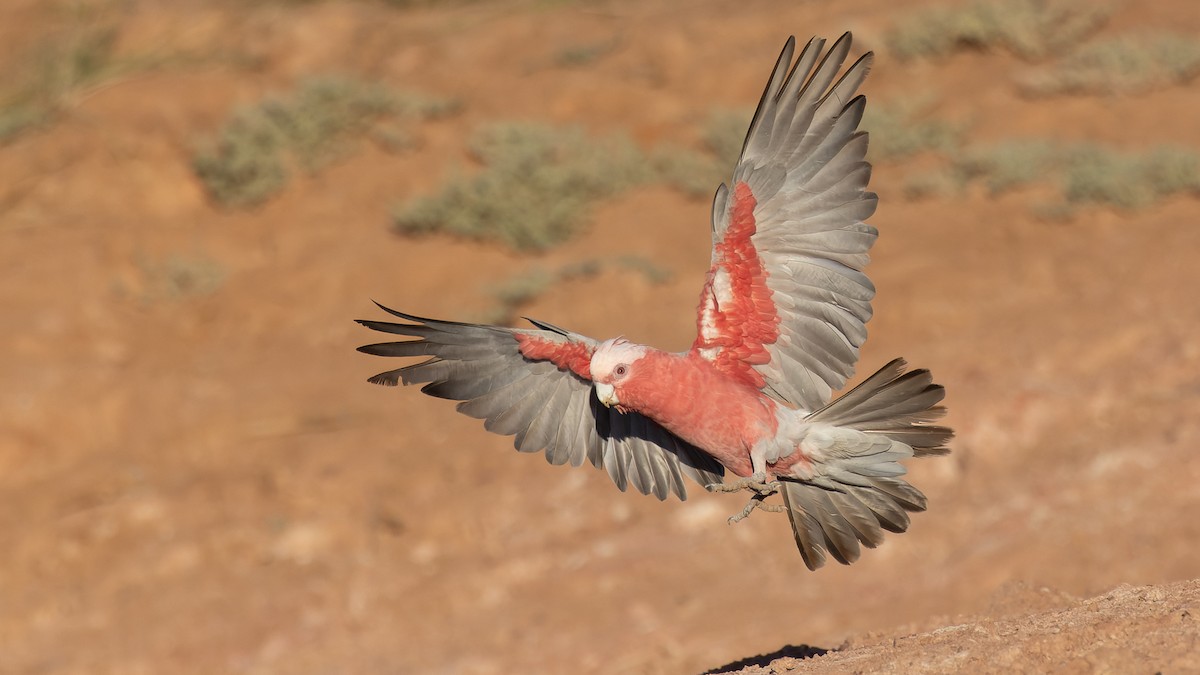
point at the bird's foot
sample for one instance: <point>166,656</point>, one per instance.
<point>755,483</point>
<point>756,502</point>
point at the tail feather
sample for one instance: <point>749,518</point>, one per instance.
<point>865,522</point>
<point>816,530</point>
<point>857,492</point>
<point>895,404</point>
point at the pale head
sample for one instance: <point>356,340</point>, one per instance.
<point>613,358</point>
<point>613,362</point>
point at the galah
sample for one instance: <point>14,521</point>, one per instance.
<point>781,319</point>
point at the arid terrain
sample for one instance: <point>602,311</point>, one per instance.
<point>195,476</point>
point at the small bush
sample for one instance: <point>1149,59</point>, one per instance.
<point>1087,173</point>
<point>251,157</point>
<point>1129,180</point>
<point>940,182</point>
<point>1031,29</point>
<point>83,58</point>
<point>54,74</point>
<point>725,133</point>
<point>246,163</point>
<point>521,290</point>
<point>534,190</point>
<point>179,276</point>
<point>698,173</point>
<point>578,56</point>
<point>896,133</point>
<point>650,270</point>
<point>695,174</point>
<point>19,116</point>
<point>1126,64</point>
<point>1010,164</point>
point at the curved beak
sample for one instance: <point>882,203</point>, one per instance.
<point>607,395</point>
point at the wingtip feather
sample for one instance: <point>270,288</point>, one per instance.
<point>388,379</point>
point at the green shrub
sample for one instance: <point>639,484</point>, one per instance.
<point>577,56</point>
<point>178,276</point>
<point>534,190</point>
<point>18,116</point>
<point>1031,29</point>
<point>253,154</point>
<point>53,74</point>
<point>725,133</point>
<point>523,289</point>
<point>246,163</point>
<point>1009,164</point>
<point>938,182</point>
<point>1125,64</point>
<point>1129,180</point>
<point>695,174</point>
<point>650,270</point>
<point>896,132</point>
<point>1086,172</point>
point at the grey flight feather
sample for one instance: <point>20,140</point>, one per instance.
<point>857,490</point>
<point>543,407</point>
<point>805,162</point>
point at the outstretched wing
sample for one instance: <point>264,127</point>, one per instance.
<point>534,384</point>
<point>786,303</point>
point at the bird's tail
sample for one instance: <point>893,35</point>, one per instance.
<point>856,491</point>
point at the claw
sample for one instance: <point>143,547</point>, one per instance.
<point>756,502</point>
<point>755,483</point>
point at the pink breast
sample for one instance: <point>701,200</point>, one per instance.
<point>693,400</point>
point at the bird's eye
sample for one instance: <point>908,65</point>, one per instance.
<point>620,370</point>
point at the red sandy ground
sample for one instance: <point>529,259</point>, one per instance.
<point>207,483</point>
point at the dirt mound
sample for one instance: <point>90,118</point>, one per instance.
<point>1129,629</point>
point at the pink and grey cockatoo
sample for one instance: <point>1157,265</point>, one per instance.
<point>782,316</point>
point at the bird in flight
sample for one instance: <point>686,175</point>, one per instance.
<point>782,315</point>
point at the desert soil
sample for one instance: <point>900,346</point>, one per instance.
<point>203,482</point>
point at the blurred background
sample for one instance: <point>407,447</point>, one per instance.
<point>197,198</point>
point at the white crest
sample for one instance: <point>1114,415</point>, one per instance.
<point>612,353</point>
